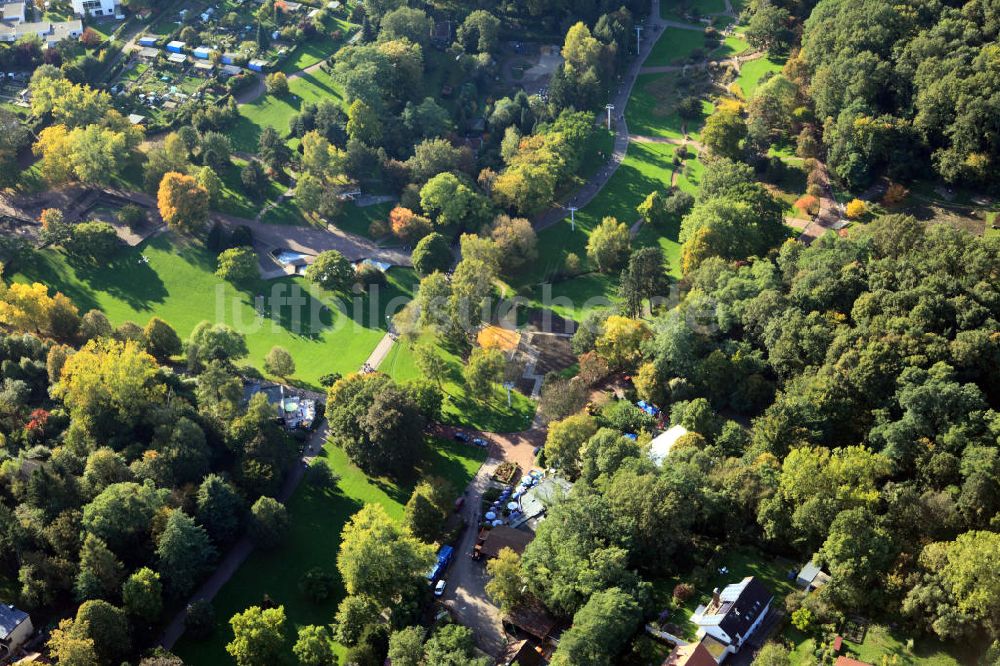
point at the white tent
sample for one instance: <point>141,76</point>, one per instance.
<point>660,447</point>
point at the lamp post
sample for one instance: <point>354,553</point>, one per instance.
<point>610,108</point>
<point>508,386</point>
<point>638,29</point>
<point>572,217</point>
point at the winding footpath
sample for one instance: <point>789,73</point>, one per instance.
<point>581,197</point>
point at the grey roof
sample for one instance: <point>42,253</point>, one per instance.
<point>809,571</point>
<point>539,497</point>
<point>740,616</point>
<point>10,618</point>
<point>13,10</point>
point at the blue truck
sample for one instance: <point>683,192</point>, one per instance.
<point>443,560</point>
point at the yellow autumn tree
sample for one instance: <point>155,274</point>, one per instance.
<point>30,309</point>
<point>26,307</point>
<point>108,385</point>
<point>620,343</point>
<point>856,209</point>
<point>91,154</point>
<point>183,202</point>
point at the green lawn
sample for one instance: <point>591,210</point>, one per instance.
<point>317,518</point>
<point>752,71</point>
<point>881,641</point>
<point>651,108</point>
<point>178,285</point>
<point>646,167</point>
<point>275,112</point>
<point>352,219</point>
<point>730,47</point>
<point>674,46</point>
<point>459,408</point>
<point>319,48</point>
<point>674,8</point>
<point>357,219</point>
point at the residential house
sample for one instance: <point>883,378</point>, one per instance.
<point>95,7</point>
<point>13,12</point>
<point>50,33</point>
<point>693,654</point>
<point>733,615</point>
<point>812,577</point>
<point>15,629</point>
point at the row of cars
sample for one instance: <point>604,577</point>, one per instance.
<point>465,439</point>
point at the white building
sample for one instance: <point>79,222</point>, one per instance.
<point>732,616</point>
<point>50,33</point>
<point>13,12</point>
<point>95,7</point>
<point>15,629</point>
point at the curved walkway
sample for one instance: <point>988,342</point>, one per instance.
<point>304,239</point>
<point>582,196</point>
<point>830,212</point>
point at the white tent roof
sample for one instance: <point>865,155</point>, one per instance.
<point>660,447</point>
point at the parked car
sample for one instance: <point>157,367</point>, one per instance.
<point>461,437</point>
<point>439,588</point>
<point>479,441</point>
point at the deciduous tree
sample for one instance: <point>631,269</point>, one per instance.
<point>183,203</point>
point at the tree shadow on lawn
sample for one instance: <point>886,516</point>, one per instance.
<point>190,248</point>
<point>288,303</point>
<point>125,276</point>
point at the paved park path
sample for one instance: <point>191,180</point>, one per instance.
<point>238,554</point>
<point>305,239</point>
<point>581,197</point>
<point>830,213</point>
<point>378,354</point>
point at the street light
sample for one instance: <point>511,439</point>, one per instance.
<point>610,108</point>
<point>572,217</point>
<point>508,386</point>
<point>638,29</point>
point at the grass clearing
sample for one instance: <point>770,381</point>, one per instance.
<point>700,7</point>
<point>881,642</point>
<point>275,112</point>
<point>318,516</point>
<point>177,283</point>
<point>647,166</point>
<point>233,198</point>
<point>752,71</point>
<point>675,46</point>
<point>319,48</point>
<point>731,47</point>
<point>459,408</point>
<point>651,108</point>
